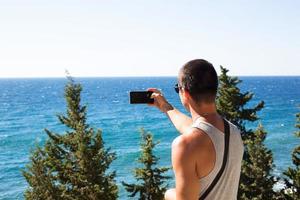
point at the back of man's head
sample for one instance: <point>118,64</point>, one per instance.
<point>200,79</point>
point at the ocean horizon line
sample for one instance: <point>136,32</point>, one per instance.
<point>171,76</point>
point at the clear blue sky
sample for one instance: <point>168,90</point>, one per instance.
<point>147,38</point>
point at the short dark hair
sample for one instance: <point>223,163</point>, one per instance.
<point>200,79</point>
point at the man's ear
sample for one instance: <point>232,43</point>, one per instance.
<point>186,94</point>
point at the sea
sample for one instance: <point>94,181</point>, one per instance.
<point>29,105</point>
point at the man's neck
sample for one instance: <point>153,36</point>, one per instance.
<point>206,111</point>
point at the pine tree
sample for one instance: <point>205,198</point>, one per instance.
<point>231,103</point>
<point>150,181</point>
<point>257,171</point>
<point>292,190</point>
<point>72,165</point>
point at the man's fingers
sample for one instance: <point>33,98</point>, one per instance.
<point>153,95</point>
<point>157,96</point>
<point>154,90</point>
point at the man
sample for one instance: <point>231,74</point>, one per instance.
<point>197,154</point>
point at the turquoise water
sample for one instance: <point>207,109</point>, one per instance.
<point>27,106</point>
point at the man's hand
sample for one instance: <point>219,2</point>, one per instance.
<point>181,121</point>
<point>159,101</point>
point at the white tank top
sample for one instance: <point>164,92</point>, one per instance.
<point>227,185</point>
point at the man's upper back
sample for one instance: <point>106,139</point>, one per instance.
<point>208,166</point>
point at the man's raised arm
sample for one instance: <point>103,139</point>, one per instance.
<point>181,121</point>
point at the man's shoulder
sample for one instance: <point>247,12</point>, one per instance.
<point>191,138</point>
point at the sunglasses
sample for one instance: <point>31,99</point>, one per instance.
<point>177,88</point>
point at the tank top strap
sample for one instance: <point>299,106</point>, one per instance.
<point>216,135</point>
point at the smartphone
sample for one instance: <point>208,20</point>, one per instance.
<point>137,97</point>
